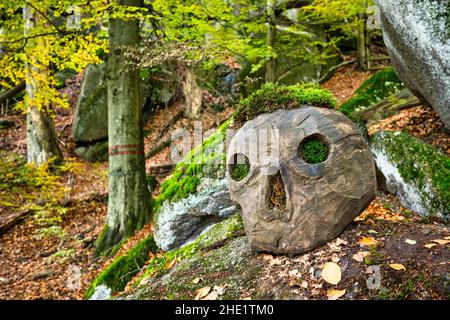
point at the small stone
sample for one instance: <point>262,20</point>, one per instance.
<point>4,280</point>
<point>42,275</point>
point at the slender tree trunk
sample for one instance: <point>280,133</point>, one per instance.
<point>192,95</point>
<point>271,38</point>
<point>361,39</point>
<point>129,197</point>
<point>42,144</point>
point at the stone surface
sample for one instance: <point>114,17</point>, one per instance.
<point>417,34</point>
<point>90,122</point>
<point>183,220</point>
<point>321,199</point>
<point>414,172</point>
<point>96,152</point>
<point>91,116</point>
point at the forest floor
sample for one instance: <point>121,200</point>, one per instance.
<point>60,265</point>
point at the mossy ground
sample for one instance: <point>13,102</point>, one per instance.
<point>419,164</point>
<point>217,234</point>
<point>123,268</point>
<point>380,86</point>
<point>228,266</point>
<point>272,97</point>
<point>220,257</point>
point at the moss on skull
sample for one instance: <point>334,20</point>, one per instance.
<point>313,150</point>
<point>272,97</point>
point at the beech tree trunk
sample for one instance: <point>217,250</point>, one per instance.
<point>192,95</point>
<point>271,37</point>
<point>129,197</point>
<point>42,144</point>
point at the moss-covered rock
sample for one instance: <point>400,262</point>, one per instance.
<point>123,268</point>
<point>272,97</point>
<point>220,257</point>
<point>218,233</point>
<point>415,172</point>
<point>205,160</point>
<point>378,87</point>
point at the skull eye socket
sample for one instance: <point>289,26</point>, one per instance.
<point>239,167</point>
<point>313,149</point>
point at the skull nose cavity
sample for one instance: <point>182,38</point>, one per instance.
<point>277,192</point>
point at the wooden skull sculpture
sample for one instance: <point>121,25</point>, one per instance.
<point>291,202</point>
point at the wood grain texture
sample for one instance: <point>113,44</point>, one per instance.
<point>321,199</point>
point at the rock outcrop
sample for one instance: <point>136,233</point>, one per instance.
<point>414,171</point>
<point>185,219</point>
<point>417,35</point>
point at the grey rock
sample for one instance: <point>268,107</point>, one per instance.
<point>91,116</point>
<point>96,152</point>
<point>101,292</point>
<point>42,275</point>
<point>320,199</point>
<point>183,220</point>
<point>417,35</point>
<point>414,172</point>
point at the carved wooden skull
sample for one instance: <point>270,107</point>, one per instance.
<point>313,201</point>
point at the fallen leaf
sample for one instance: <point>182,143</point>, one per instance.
<point>430,245</point>
<point>359,256</point>
<point>220,290</point>
<point>339,241</point>
<point>333,294</point>
<point>331,273</point>
<point>275,262</point>
<point>397,266</point>
<point>409,241</point>
<point>368,241</point>
<point>211,296</point>
<point>447,238</point>
<point>203,292</point>
<point>293,273</point>
<point>266,256</point>
<point>441,241</point>
<point>335,258</point>
<point>304,284</point>
<point>170,264</point>
<point>196,280</point>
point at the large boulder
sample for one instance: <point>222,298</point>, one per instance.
<point>300,176</point>
<point>414,171</point>
<point>90,122</point>
<point>416,33</point>
<point>185,219</point>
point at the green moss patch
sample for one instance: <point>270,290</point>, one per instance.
<point>272,97</point>
<point>206,159</point>
<point>238,171</point>
<point>221,256</point>
<point>218,233</point>
<point>124,267</point>
<point>378,87</point>
<point>313,150</point>
<point>419,164</point>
